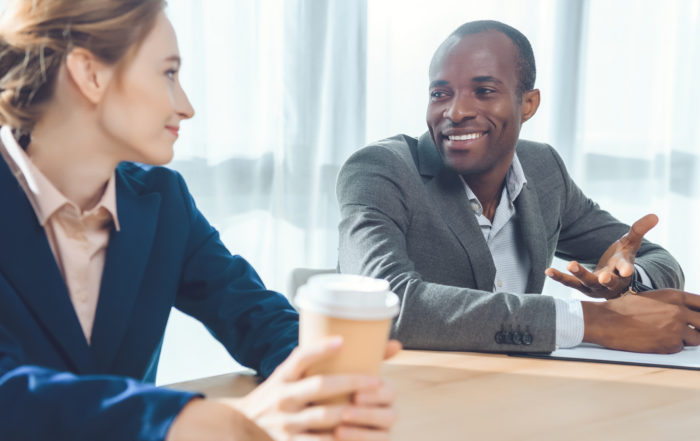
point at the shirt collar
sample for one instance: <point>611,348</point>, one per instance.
<point>515,181</point>
<point>43,195</point>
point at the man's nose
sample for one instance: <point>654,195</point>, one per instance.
<point>461,107</point>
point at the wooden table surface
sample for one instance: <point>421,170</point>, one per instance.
<point>472,396</point>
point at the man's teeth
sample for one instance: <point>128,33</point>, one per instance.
<point>465,137</point>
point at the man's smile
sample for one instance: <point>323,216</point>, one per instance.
<point>456,141</point>
<point>466,137</point>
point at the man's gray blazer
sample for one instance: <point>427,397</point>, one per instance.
<point>406,218</point>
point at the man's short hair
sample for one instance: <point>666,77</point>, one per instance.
<point>526,58</point>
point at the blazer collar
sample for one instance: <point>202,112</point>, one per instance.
<point>26,252</point>
<point>429,160</point>
<point>29,265</point>
<point>534,236</point>
<point>127,258</point>
<point>447,192</point>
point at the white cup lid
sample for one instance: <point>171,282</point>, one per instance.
<point>348,296</point>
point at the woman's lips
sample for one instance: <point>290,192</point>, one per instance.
<point>173,130</point>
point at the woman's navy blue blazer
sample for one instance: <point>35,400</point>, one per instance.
<point>53,385</point>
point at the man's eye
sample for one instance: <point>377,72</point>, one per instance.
<point>484,91</point>
<point>170,73</point>
<point>437,94</point>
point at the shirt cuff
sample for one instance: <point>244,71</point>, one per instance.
<point>569,323</point>
<point>644,276</point>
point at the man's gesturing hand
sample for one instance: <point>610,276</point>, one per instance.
<point>615,269</point>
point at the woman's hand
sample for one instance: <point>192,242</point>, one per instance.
<point>284,405</point>
<point>213,420</point>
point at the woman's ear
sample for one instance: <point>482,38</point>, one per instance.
<point>90,75</point>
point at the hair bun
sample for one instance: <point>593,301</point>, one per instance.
<point>35,36</point>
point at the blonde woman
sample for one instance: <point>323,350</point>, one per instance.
<point>95,250</point>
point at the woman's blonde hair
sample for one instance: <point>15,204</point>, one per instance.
<point>36,36</point>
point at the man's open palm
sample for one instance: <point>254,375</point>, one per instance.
<point>613,274</point>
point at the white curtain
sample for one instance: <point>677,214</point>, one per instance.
<point>637,142</point>
<point>278,88</point>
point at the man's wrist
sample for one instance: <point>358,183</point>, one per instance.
<point>594,318</point>
<point>640,281</point>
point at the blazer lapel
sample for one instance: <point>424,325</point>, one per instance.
<point>447,191</point>
<point>534,236</point>
<point>27,261</point>
<point>125,263</point>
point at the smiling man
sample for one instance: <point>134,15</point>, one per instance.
<point>465,220</point>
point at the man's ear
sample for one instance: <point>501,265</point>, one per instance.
<point>90,75</point>
<point>531,101</point>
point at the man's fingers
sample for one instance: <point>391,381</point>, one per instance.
<point>566,280</point>
<point>606,279</point>
<point>625,268</point>
<point>613,282</point>
<point>675,297</point>
<point>638,229</point>
<point>302,358</point>
<point>587,278</point>
<point>691,337</point>
<point>691,301</point>
<point>693,318</point>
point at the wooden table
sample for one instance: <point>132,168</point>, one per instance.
<point>471,396</point>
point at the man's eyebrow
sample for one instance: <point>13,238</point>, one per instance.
<point>486,79</point>
<point>438,83</point>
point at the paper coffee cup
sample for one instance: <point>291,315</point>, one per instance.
<point>360,309</point>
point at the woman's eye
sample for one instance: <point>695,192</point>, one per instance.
<point>170,73</point>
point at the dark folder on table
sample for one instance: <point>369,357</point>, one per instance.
<point>688,358</point>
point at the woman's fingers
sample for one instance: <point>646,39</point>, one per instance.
<point>393,347</point>
<point>352,433</point>
<point>380,396</point>
<point>315,418</point>
<point>327,417</point>
<point>376,417</point>
<point>313,437</point>
<point>321,387</point>
<point>302,358</point>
